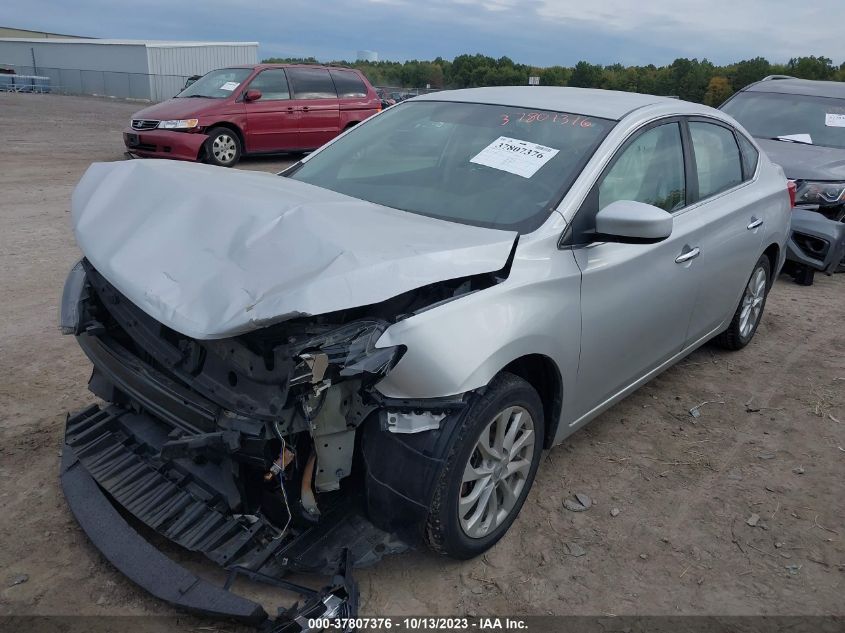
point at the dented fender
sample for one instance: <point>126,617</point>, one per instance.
<point>461,345</point>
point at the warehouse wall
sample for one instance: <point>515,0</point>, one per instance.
<point>118,70</point>
<point>154,71</point>
<point>174,64</point>
<point>10,31</point>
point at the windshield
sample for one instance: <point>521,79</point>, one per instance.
<point>218,84</point>
<point>485,165</point>
<point>801,118</point>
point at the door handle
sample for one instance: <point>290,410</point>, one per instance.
<point>690,254</point>
<point>290,109</point>
<point>305,108</point>
<point>755,222</point>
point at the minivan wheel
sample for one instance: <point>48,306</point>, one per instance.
<point>750,310</point>
<point>223,147</point>
<point>489,470</point>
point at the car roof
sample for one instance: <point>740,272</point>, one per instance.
<point>265,66</point>
<point>794,86</point>
<point>607,104</point>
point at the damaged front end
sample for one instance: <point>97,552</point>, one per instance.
<point>245,449</point>
<point>816,243</point>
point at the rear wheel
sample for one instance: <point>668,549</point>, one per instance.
<point>489,470</point>
<point>223,147</point>
<point>750,310</point>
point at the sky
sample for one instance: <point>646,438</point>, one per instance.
<point>536,32</point>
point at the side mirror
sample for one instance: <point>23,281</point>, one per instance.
<point>252,95</point>
<point>635,222</point>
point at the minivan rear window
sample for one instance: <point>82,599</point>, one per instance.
<point>311,83</point>
<point>348,84</point>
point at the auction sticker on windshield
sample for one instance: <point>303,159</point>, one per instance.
<point>834,120</point>
<point>514,156</point>
<point>229,86</point>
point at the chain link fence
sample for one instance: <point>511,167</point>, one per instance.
<point>104,83</point>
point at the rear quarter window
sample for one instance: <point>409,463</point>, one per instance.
<point>348,84</point>
<point>750,157</point>
<point>311,83</point>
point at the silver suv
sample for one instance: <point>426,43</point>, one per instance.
<point>801,126</point>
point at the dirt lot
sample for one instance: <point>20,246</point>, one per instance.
<point>770,442</point>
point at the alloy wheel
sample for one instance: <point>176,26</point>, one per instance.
<point>496,472</point>
<point>752,302</point>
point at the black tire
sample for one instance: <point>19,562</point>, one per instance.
<point>444,533</point>
<point>804,275</point>
<point>223,147</point>
<point>734,338</point>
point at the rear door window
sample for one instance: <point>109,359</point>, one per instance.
<point>717,160</point>
<point>348,84</point>
<point>272,83</point>
<point>311,83</point>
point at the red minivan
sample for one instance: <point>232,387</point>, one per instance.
<point>261,109</point>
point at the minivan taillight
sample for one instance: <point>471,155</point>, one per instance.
<point>790,188</point>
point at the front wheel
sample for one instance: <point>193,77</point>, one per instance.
<point>750,310</point>
<point>223,147</point>
<point>489,470</point>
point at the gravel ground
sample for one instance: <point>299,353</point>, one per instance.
<point>668,531</point>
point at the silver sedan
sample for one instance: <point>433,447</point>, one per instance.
<point>383,340</point>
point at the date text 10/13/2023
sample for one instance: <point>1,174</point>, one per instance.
<point>423,623</point>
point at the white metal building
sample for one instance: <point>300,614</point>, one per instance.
<point>141,69</point>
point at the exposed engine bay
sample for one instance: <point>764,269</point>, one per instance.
<point>248,449</point>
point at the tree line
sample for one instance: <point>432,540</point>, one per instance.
<point>690,79</point>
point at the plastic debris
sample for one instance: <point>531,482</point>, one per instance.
<point>18,579</point>
<point>578,504</point>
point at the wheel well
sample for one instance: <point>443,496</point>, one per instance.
<point>773,253</point>
<point>542,373</point>
<point>235,129</point>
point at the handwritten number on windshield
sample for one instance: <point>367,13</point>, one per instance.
<point>549,117</point>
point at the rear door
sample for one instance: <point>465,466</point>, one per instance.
<point>731,214</point>
<point>356,99</point>
<point>272,120</point>
<point>315,100</point>
<point>636,299</point>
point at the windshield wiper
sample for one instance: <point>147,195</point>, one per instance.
<point>791,139</point>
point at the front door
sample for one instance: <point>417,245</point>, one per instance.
<point>272,120</point>
<point>636,299</point>
<point>316,102</point>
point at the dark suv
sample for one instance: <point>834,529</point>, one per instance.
<point>260,109</point>
<point>801,126</point>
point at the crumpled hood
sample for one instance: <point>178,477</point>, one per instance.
<point>806,162</point>
<point>213,252</point>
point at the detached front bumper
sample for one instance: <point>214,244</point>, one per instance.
<point>164,144</point>
<point>815,241</point>
<point>105,463</point>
